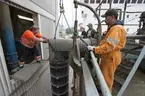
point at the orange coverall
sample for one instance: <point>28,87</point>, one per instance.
<point>27,38</point>
<point>109,49</point>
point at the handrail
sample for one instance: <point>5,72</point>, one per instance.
<point>104,87</point>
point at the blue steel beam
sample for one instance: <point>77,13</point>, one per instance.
<point>8,37</point>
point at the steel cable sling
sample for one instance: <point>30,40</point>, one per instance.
<point>61,6</point>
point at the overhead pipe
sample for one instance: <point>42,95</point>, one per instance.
<point>8,37</point>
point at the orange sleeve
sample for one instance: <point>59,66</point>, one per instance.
<point>29,35</point>
<point>38,35</point>
<point>111,42</point>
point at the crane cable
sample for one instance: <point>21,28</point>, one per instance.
<point>62,11</point>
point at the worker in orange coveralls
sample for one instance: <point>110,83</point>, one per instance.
<point>109,48</point>
<point>29,41</point>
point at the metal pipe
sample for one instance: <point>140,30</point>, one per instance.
<point>104,87</point>
<point>135,44</point>
<point>100,11</point>
<point>110,4</point>
<point>67,44</point>
<point>120,16</point>
<point>99,5</point>
<point>132,42</point>
<point>135,36</point>
<point>125,6</point>
<point>99,29</point>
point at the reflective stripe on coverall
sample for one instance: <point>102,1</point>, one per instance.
<point>109,49</point>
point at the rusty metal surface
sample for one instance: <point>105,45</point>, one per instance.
<point>74,59</point>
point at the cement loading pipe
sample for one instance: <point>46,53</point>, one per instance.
<point>67,44</point>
